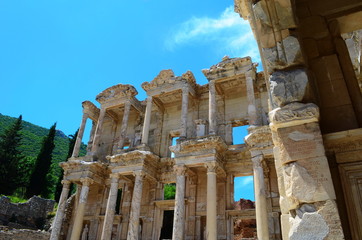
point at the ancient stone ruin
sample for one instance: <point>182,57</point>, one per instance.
<point>304,142</point>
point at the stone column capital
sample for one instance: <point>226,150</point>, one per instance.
<point>66,183</point>
<point>114,177</point>
<point>257,161</point>
<point>180,170</point>
<point>86,181</point>
<point>139,173</point>
<point>211,167</point>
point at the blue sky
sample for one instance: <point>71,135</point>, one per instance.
<point>56,54</point>
<point>244,188</point>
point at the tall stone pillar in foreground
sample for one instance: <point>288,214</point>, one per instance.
<point>212,108</point>
<point>78,142</point>
<point>179,214</point>
<point>57,224</point>
<point>184,110</point>
<point>147,121</point>
<point>111,205</point>
<point>127,108</point>
<point>78,221</point>
<point>260,199</point>
<point>134,219</point>
<point>211,205</point>
<point>98,132</point>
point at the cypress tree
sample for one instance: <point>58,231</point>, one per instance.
<point>11,158</point>
<point>39,184</point>
<point>58,190</point>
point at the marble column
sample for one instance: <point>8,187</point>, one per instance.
<point>90,141</point>
<point>57,224</point>
<point>127,108</point>
<point>78,142</point>
<point>211,205</point>
<point>212,108</point>
<point>111,205</point>
<point>78,221</point>
<point>134,219</point>
<point>260,199</point>
<point>184,111</point>
<point>98,131</point>
<point>179,213</point>
<point>252,113</point>
<point>147,121</point>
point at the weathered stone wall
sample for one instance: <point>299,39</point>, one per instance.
<point>32,214</point>
<point>22,234</point>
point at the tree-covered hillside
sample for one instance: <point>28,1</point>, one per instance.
<point>33,136</point>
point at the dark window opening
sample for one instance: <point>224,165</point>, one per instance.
<point>167,225</point>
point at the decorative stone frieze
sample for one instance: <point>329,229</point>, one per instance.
<point>116,92</point>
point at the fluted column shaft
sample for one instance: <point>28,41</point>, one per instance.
<point>57,224</point>
<point>111,205</point>
<point>184,111</point>
<point>211,205</point>
<point>98,131</point>
<point>147,121</point>
<point>78,221</point>
<point>212,108</point>
<point>253,116</point>
<point>78,142</point>
<point>134,220</point>
<point>179,213</point>
<point>127,108</point>
<point>260,199</point>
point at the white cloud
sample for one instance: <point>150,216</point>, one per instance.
<point>228,33</point>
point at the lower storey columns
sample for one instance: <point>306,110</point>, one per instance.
<point>260,199</point>
<point>134,220</point>
<point>179,215</point>
<point>78,222</point>
<point>111,205</point>
<point>57,224</point>
<point>211,207</point>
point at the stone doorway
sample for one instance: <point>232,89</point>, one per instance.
<point>167,225</point>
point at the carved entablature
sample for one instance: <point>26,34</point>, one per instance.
<point>208,144</point>
<point>117,92</point>
<point>228,67</point>
<point>166,81</point>
<point>241,7</point>
<point>91,109</point>
<point>259,138</point>
<point>75,170</point>
<point>293,114</point>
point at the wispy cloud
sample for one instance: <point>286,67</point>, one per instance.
<point>229,33</point>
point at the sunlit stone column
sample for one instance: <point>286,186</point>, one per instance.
<point>147,121</point>
<point>91,137</point>
<point>111,205</point>
<point>184,110</point>
<point>78,142</point>
<point>134,220</point>
<point>57,224</point>
<point>253,116</point>
<point>127,107</point>
<point>78,221</point>
<point>179,214</point>
<point>211,205</point>
<point>212,108</point>
<point>260,199</point>
<point>98,131</point>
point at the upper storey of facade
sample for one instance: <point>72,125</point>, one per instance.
<point>176,107</point>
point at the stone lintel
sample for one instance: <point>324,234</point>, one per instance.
<point>166,81</point>
<point>293,114</point>
<point>344,141</point>
<point>91,109</point>
<point>212,143</point>
<point>74,170</point>
<point>228,67</point>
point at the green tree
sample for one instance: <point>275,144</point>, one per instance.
<point>169,191</point>
<point>39,181</point>
<point>58,189</point>
<point>11,159</point>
